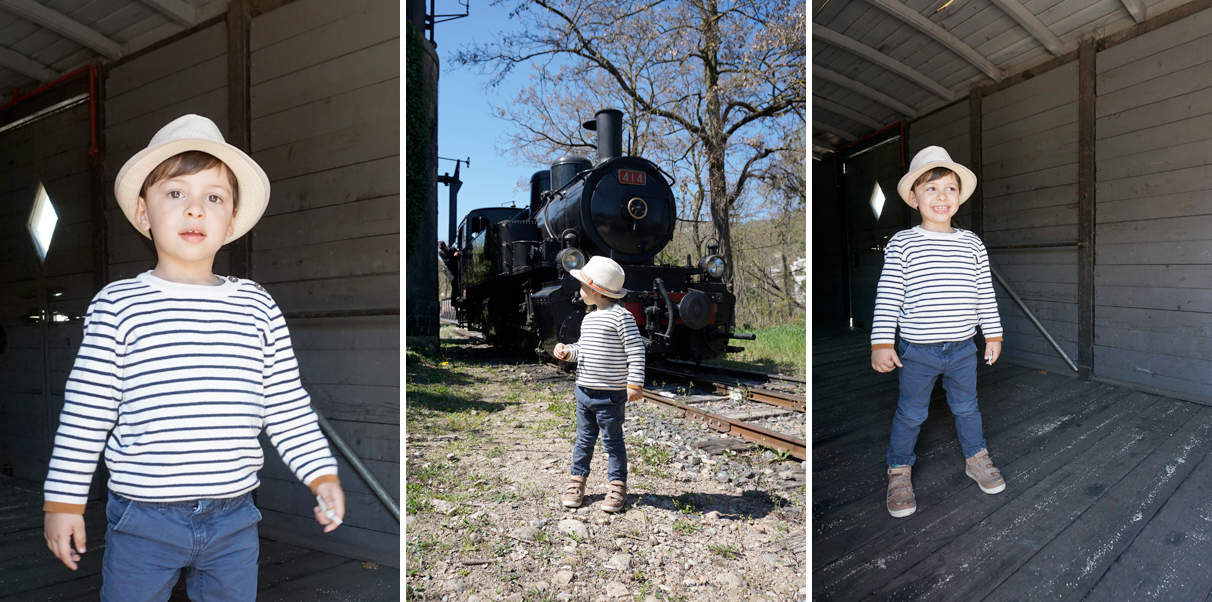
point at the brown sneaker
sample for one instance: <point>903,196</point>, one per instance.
<point>980,467</point>
<point>901,502</point>
<point>615,497</point>
<point>574,492</point>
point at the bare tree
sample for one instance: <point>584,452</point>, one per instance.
<point>713,77</point>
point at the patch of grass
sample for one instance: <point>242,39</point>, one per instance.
<point>538,595</point>
<point>686,527</point>
<point>725,550</point>
<point>495,452</point>
<point>779,349</point>
<point>417,499</point>
<point>655,455</point>
<point>685,504</point>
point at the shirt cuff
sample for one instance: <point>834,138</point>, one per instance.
<point>875,346</point>
<point>996,339</point>
<point>63,507</point>
<point>322,479</point>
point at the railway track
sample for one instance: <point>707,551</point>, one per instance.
<point>730,390</point>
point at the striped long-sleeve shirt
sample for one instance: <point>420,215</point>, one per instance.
<point>936,286</point>
<point>610,352</point>
<point>175,382</point>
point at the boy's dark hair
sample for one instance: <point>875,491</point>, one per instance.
<point>936,173</point>
<point>188,163</point>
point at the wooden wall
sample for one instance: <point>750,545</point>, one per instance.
<point>1153,293</point>
<point>38,355</point>
<point>324,124</point>
<point>325,103</point>
<point>1029,145</point>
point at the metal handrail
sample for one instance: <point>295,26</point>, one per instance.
<point>360,468</point>
<point>1030,316</point>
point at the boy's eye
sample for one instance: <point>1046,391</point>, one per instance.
<point>214,198</point>
<point>175,194</point>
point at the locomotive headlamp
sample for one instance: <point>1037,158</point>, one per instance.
<point>714,265</point>
<point>570,259</point>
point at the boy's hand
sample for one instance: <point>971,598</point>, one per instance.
<point>560,352</point>
<point>993,350</point>
<point>634,393</point>
<point>334,499</point>
<point>885,360</point>
<point>60,528</point>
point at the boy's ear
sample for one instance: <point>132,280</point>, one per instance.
<point>141,219</point>
<point>912,200</point>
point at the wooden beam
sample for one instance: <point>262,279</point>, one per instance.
<point>836,39</point>
<point>1087,94</point>
<point>239,26</point>
<point>26,66</point>
<point>840,133</point>
<point>838,79</point>
<point>1032,24</point>
<point>845,111</point>
<point>942,36</point>
<point>1136,8</point>
<point>976,160</point>
<point>63,25</point>
<point>178,11</point>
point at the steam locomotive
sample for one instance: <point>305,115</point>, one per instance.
<point>509,266</point>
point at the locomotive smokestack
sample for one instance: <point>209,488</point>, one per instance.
<point>540,182</point>
<point>608,123</point>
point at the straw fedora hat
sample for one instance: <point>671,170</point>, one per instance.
<point>928,158</point>
<point>195,133</point>
<point>603,275</point>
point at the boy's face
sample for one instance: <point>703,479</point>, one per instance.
<point>190,216</point>
<point>590,296</point>
<point>937,201</point>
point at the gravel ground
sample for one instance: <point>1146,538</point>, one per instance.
<point>489,443</point>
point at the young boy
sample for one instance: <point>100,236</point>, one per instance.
<point>936,287</point>
<point>610,372</point>
<point>185,368</point>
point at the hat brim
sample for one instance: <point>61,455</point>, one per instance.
<point>253,183</point>
<point>580,275</point>
<point>967,180</point>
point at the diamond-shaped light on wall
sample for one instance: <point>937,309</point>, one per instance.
<point>42,222</point>
<point>877,201</point>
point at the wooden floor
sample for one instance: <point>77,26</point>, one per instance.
<point>1108,491</point>
<point>29,572</point>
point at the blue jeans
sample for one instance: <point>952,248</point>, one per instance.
<point>148,543</point>
<point>921,366</point>
<point>600,410</point>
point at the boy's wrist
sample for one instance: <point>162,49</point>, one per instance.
<point>63,508</point>
<point>322,479</point>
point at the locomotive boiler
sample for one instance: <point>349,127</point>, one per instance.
<point>509,266</point>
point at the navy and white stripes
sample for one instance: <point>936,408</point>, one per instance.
<point>610,352</point>
<point>185,377</point>
<point>936,286</point>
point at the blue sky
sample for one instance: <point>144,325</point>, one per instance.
<point>466,125</point>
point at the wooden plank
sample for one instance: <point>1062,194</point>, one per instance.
<point>363,256</point>
<point>1177,299</point>
<point>1042,178</point>
<point>189,82</point>
<point>350,542</point>
<point>1157,156</point>
<point>362,143</point>
<point>1031,154</point>
<point>238,133</point>
<point>1192,179</point>
<point>370,217</point>
<point>377,104</point>
<point>964,568</point>
<point>1159,253</point>
<point>358,69</point>
<point>1077,557</point>
<point>1175,343</point>
<point>1187,376</point>
<point>1168,559</point>
<point>300,18</point>
<point>336,186</point>
<point>1161,206</point>
<point>1162,87</point>
<point>199,47</point>
<point>1085,208</point>
<point>358,25</point>
<point>134,135</point>
<point>1151,320</point>
<point>864,559</point>
<point>1183,107</point>
<point>369,582</point>
<point>1004,136</point>
<point>340,293</point>
<point>1175,54</point>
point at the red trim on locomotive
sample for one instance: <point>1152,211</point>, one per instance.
<point>637,310</point>
<point>632,177</point>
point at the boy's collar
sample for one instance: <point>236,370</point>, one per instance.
<point>226,287</point>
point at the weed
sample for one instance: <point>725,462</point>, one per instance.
<point>495,452</point>
<point>655,455</point>
<point>686,527</point>
<point>725,550</point>
<point>683,504</point>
